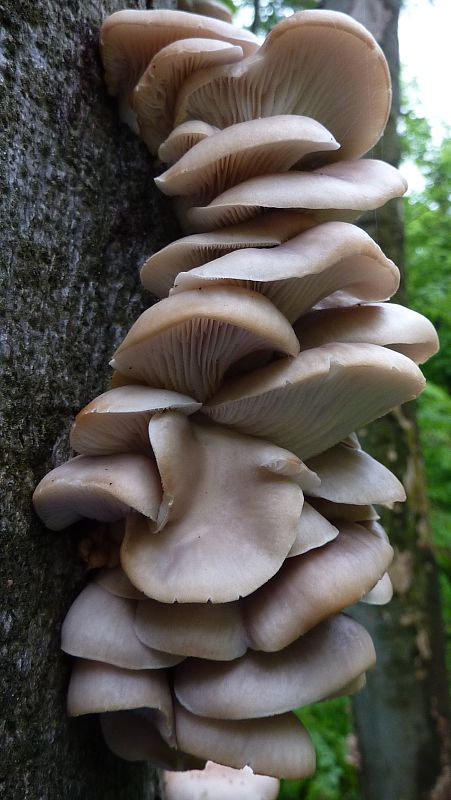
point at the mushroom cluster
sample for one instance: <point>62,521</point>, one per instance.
<point>235,505</point>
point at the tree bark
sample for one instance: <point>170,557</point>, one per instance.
<point>402,717</point>
<point>80,213</point>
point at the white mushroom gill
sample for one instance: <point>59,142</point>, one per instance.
<point>272,341</point>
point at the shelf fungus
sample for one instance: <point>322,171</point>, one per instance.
<point>235,504</point>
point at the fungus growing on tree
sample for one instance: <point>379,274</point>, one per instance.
<point>226,450</point>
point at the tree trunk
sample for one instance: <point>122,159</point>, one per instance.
<point>402,717</point>
<point>80,213</point>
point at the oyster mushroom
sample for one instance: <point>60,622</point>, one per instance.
<point>216,781</point>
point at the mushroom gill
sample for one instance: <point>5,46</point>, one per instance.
<point>226,450</point>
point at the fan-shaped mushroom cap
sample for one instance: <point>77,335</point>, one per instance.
<point>204,630</point>
<point>100,487</point>
<point>309,403</point>
<point>130,39</point>
<point>381,593</point>
<point>182,138</point>
<point>228,519</point>
<point>303,270</point>
<point>341,190</point>
<point>320,64</point>
<point>278,746</point>
<point>247,149</point>
<point>313,531</point>
<point>352,476</point>
<point>386,324</point>
<point>117,421</point>
<point>96,688</point>
<point>99,627</point>
<point>115,582</point>
<point>189,341</point>
<point>314,586</point>
<point>217,782</point>
<point>133,736</point>
<point>267,230</point>
<point>153,98</point>
<point>321,662</point>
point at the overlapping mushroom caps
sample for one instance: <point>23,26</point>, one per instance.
<point>223,465</point>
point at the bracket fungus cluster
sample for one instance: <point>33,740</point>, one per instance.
<point>235,505</point>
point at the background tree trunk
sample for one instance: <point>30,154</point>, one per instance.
<point>402,717</point>
<point>80,212</point>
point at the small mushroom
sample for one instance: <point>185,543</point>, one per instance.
<point>96,688</point>
<point>133,736</point>
<point>386,324</point>
<point>188,342</point>
<point>182,138</point>
<point>99,487</point>
<point>117,421</point>
<point>243,151</point>
<point>381,593</point>
<point>99,627</point>
<point>154,96</point>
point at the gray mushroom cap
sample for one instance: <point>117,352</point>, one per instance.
<point>182,138</point>
<point>277,746</point>
<point>289,402</point>
<point>99,627</point>
<point>228,519</point>
<point>99,487</point>
<point>297,274</point>
<point>314,586</point>
<point>97,688</point>
<point>319,663</point>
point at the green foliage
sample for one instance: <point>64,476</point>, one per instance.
<point>270,12</point>
<point>329,725</point>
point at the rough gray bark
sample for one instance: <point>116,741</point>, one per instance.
<point>79,214</point>
<point>402,717</point>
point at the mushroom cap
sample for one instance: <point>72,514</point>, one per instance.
<point>290,402</point>
<point>267,230</point>
<point>132,735</point>
<point>204,630</point>
<point>99,487</point>
<point>96,688</point>
<point>243,151</point>
<point>208,8</point>
<point>317,664</point>
<point>313,531</point>
<point>278,746</point>
<point>182,138</point>
<point>216,782</point>
<point>314,586</point>
<point>348,512</point>
<point>381,593</point>
<point>118,420</point>
<point>130,39</point>
<point>115,582</point>
<point>333,191</point>
<point>352,476</point>
<point>99,627</point>
<point>187,342</point>
<point>386,324</point>
<point>154,97</point>
<point>297,274</point>
<point>228,519</point>
<point>320,64</point>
